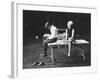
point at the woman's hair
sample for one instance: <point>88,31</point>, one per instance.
<point>69,23</point>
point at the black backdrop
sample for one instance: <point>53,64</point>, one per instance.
<point>34,21</point>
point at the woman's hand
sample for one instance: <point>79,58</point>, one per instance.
<point>70,39</point>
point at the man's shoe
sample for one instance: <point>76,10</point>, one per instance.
<point>40,64</point>
<point>35,63</point>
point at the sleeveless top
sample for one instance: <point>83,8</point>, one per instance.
<point>69,32</point>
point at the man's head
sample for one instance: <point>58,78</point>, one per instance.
<point>47,25</point>
<point>69,24</point>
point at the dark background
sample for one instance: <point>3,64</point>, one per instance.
<point>33,25</point>
<point>34,21</point>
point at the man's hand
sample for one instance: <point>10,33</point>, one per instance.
<point>46,40</point>
<point>46,35</point>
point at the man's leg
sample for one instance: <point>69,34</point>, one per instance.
<point>45,48</point>
<point>45,43</point>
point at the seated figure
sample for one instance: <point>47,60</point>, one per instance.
<point>70,35</point>
<point>49,38</point>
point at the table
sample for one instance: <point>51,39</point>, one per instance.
<point>76,42</point>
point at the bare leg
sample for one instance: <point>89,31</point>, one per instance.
<point>69,47</point>
<point>45,49</point>
<point>52,55</point>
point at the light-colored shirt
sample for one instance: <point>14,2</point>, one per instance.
<point>53,31</point>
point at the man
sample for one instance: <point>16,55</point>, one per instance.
<point>49,38</point>
<point>70,35</point>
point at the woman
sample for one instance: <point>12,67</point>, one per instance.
<point>70,35</point>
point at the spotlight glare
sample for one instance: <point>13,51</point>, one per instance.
<point>36,37</point>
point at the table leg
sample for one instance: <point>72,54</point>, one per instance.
<point>81,52</point>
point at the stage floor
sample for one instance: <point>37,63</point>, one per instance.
<point>32,50</point>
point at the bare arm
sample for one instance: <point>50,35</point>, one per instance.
<point>66,34</point>
<point>72,33</point>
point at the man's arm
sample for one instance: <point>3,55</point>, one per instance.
<point>46,35</point>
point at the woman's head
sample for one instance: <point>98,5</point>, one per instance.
<point>69,24</point>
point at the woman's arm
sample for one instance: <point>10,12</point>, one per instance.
<point>71,38</point>
<point>72,34</point>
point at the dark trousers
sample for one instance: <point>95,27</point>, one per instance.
<point>45,43</point>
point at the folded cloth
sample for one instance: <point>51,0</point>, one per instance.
<point>81,41</point>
